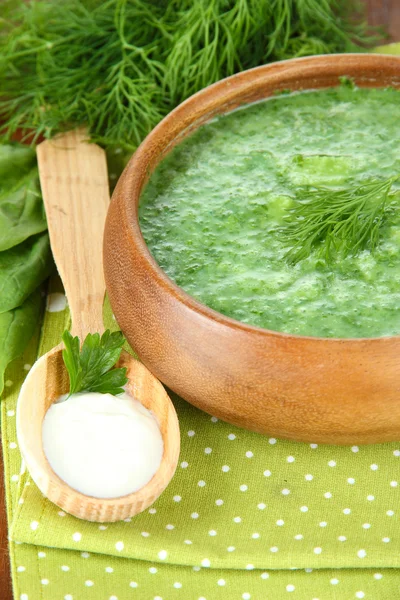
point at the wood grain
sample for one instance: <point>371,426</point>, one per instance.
<point>335,391</point>
<point>380,12</point>
<point>385,13</point>
<point>46,381</point>
<point>74,182</point>
<point>5,578</point>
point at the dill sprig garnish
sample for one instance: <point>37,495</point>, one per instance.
<point>337,221</point>
<point>118,66</point>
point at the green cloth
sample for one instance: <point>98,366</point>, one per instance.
<point>246,516</point>
<point>388,49</point>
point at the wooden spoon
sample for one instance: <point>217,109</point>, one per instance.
<point>73,176</point>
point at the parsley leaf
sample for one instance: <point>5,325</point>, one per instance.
<point>90,369</point>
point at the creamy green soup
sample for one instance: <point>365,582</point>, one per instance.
<point>215,210</point>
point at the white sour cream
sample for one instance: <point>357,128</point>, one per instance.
<point>102,445</point>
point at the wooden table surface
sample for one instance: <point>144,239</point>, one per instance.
<point>380,12</point>
<point>386,13</point>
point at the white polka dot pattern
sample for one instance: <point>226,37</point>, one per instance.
<point>258,506</point>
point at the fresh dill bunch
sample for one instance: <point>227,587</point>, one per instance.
<point>80,62</point>
<point>215,38</point>
<point>118,66</point>
<point>337,221</point>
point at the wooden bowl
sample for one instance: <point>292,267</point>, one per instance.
<point>339,391</point>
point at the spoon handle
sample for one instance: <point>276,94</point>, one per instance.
<point>74,182</point>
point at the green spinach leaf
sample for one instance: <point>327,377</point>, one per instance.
<point>16,328</point>
<point>16,161</point>
<point>22,269</point>
<point>21,211</point>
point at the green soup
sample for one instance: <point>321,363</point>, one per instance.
<point>213,213</point>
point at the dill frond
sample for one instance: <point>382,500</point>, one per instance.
<point>118,66</point>
<point>69,63</point>
<point>337,222</point>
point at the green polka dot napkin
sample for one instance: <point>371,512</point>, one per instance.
<point>245,517</point>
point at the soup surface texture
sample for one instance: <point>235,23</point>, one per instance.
<point>214,212</point>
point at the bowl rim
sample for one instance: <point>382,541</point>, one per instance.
<point>136,172</point>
